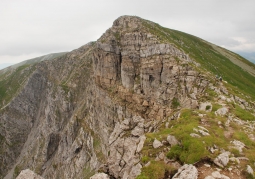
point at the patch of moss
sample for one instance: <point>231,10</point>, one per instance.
<point>145,159</point>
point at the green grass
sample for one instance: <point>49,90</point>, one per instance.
<point>145,159</point>
<point>215,107</point>
<point>175,103</point>
<point>191,149</point>
<point>243,114</point>
<point>209,57</point>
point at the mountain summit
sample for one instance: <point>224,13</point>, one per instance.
<point>143,101</point>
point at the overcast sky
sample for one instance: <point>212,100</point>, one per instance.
<point>31,28</point>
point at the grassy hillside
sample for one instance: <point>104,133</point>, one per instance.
<point>237,71</point>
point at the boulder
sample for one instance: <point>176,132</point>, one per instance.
<point>222,159</point>
<point>186,172</point>
<point>28,174</point>
<point>172,140</point>
<point>221,112</point>
<point>203,106</point>
<point>157,144</point>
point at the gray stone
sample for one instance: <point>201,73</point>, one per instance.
<point>195,135</point>
<point>222,159</point>
<point>238,145</point>
<point>186,172</point>
<point>157,144</point>
<point>216,174</point>
<point>203,106</point>
<point>140,144</point>
<point>172,140</point>
<point>137,131</point>
<point>234,159</point>
<point>250,170</point>
<point>222,111</point>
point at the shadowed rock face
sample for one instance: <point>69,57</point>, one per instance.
<point>92,107</point>
<point>53,145</point>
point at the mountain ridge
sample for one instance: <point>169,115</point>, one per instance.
<point>117,105</point>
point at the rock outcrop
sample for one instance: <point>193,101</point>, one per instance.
<point>222,159</point>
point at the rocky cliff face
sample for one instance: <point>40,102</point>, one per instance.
<point>92,108</point>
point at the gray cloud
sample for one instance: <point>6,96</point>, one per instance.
<point>36,27</point>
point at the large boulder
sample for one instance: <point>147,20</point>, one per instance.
<point>186,172</point>
<point>207,106</point>
<point>28,174</point>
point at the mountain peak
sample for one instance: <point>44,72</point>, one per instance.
<point>141,102</point>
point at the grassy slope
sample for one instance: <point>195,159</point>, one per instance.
<point>215,59</point>
<point>13,78</point>
<point>11,81</point>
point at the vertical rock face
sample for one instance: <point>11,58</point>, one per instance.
<point>94,105</point>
